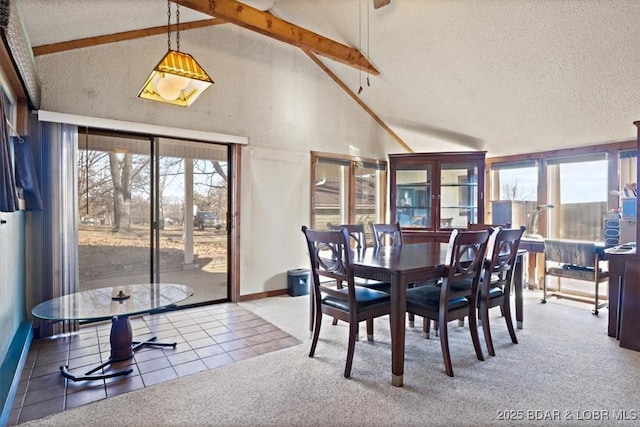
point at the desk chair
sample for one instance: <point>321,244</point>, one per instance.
<point>335,292</point>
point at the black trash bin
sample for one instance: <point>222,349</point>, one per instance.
<point>298,282</point>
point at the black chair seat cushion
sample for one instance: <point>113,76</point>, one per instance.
<point>461,285</point>
<point>432,282</point>
<point>495,292</point>
<point>373,284</point>
<point>429,296</point>
<point>365,297</point>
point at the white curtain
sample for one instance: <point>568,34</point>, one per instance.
<point>59,222</point>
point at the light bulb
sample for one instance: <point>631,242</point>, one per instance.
<point>167,90</point>
<point>178,82</point>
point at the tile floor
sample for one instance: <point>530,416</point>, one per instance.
<point>207,337</point>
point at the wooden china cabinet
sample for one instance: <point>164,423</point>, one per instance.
<point>433,193</point>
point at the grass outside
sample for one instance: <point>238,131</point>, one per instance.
<point>105,254</point>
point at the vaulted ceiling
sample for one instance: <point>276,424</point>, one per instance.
<point>509,77</point>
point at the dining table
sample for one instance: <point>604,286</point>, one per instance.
<point>413,263</point>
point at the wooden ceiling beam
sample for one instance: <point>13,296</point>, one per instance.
<point>267,24</point>
<point>118,37</point>
<point>356,98</point>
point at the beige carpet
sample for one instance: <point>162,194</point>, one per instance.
<point>565,370</point>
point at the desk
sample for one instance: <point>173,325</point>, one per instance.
<point>535,247</point>
<point>107,303</point>
<point>410,264</point>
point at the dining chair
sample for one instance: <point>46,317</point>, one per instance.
<point>490,228</point>
<point>456,296</point>
<point>386,234</point>
<point>495,286</point>
<point>391,235</point>
<point>358,237</point>
<point>357,234</point>
<point>335,292</point>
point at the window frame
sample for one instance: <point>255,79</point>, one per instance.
<point>347,206</point>
<point>611,151</point>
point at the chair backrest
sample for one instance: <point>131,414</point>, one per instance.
<point>356,232</point>
<point>463,265</point>
<point>386,234</point>
<point>330,257</point>
<point>502,258</point>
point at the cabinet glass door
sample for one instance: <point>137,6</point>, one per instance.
<point>413,197</point>
<point>458,194</point>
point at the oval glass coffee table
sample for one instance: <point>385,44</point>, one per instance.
<point>115,303</point>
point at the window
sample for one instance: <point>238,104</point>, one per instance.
<point>8,191</point>
<point>346,190</point>
<point>514,193</point>
<point>628,166</point>
<point>577,188</point>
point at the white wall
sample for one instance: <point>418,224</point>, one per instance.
<point>266,90</point>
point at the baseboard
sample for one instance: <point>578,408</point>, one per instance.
<point>11,368</point>
<point>260,295</point>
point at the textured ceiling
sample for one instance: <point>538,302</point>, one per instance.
<point>509,77</point>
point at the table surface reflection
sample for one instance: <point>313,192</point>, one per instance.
<point>99,304</point>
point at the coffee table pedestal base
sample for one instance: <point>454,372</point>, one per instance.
<point>122,348</point>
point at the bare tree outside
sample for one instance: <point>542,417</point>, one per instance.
<point>210,186</point>
<point>512,188</point>
<point>116,239</point>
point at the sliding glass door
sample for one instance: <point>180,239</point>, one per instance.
<point>141,200</point>
<point>192,208</point>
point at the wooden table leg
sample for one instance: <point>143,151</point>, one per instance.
<point>540,269</point>
<point>397,319</point>
<point>532,272</point>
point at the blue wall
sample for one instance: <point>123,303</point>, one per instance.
<point>12,277</point>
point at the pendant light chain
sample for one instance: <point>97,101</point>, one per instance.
<point>168,25</point>
<point>178,27</point>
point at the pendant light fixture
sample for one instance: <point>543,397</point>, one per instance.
<point>177,79</point>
